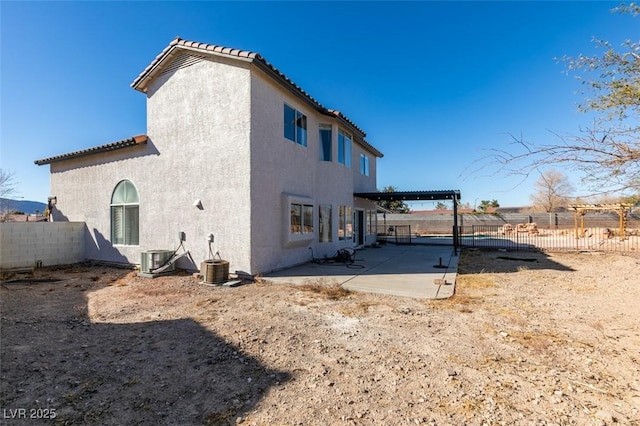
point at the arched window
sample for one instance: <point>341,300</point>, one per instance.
<point>124,214</point>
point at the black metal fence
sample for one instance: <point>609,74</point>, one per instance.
<point>598,237</point>
<point>398,234</point>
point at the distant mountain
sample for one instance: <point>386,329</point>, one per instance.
<point>27,207</point>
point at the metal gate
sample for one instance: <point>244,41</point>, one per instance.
<point>397,234</point>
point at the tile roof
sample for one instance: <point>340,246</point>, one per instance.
<point>125,143</point>
<point>179,44</point>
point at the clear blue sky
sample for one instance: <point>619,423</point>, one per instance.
<point>432,83</point>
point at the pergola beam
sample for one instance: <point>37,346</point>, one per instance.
<point>410,195</point>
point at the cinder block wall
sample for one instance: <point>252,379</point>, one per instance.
<point>24,244</point>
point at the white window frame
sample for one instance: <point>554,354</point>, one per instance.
<point>127,214</point>
<point>297,234</point>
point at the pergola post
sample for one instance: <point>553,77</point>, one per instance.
<point>455,226</point>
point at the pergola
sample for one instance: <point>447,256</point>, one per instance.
<point>581,209</point>
<point>453,194</point>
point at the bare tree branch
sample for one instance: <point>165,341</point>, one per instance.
<point>606,154</point>
<point>7,183</point>
<point>553,190</point>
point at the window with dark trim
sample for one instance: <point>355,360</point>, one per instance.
<point>325,142</point>
<point>344,148</point>
<point>324,224</point>
<point>295,125</point>
<point>345,223</point>
<point>301,219</point>
<point>372,221</point>
<point>364,164</point>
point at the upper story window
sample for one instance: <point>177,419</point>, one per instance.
<point>364,164</point>
<point>325,142</point>
<point>125,221</point>
<point>295,125</point>
<point>344,148</point>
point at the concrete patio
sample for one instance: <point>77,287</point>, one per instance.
<point>419,271</point>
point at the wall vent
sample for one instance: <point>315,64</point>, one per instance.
<point>183,60</point>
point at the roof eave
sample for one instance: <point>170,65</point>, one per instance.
<point>149,71</point>
<point>372,149</point>
<point>125,143</point>
<point>302,95</point>
<point>142,81</point>
<point>177,44</point>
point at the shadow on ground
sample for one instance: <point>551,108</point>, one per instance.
<point>475,261</point>
<point>159,372</point>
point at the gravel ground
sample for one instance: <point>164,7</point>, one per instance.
<point>528,339</point>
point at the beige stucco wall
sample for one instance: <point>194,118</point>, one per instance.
<point>284,172</point>
<point>216,135</point>
<point>198,128</point>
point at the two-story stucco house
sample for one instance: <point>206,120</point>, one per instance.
<point>233,148</point>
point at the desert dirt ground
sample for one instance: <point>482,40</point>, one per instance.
<point>528,339</point>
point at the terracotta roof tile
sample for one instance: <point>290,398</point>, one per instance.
<point>177,43</point>
<point>125,143</point>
